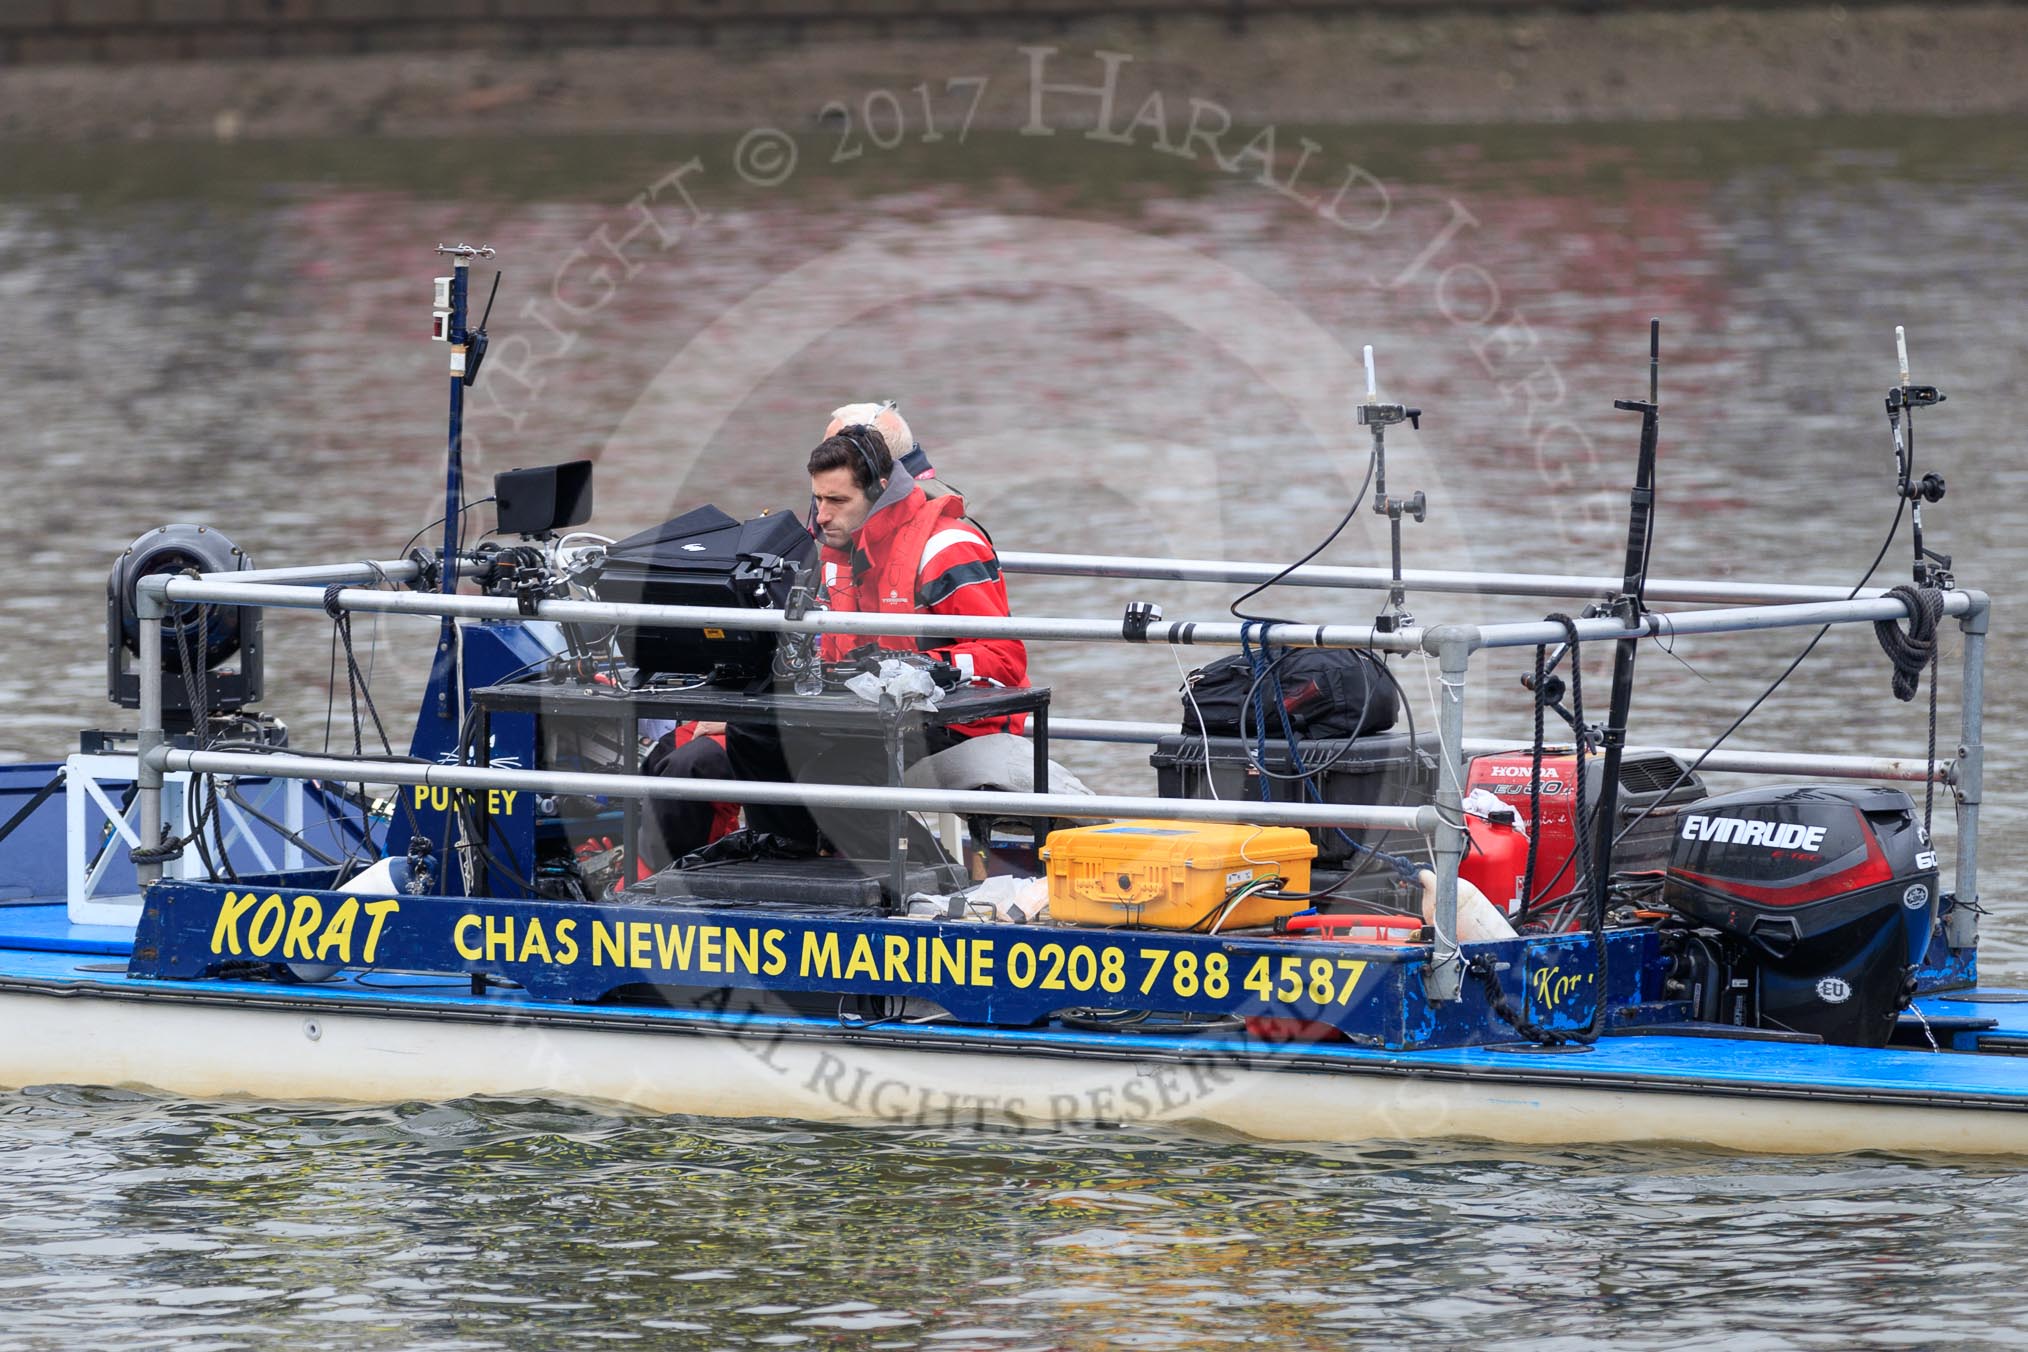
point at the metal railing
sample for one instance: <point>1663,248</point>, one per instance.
<point>1316,575</point>
<point>1902,769</point>
<point>1765,607</point>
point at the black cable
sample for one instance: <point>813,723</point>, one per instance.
<point>1534,901</point>
<point>1358,499</point>
<point>491,296</point>
<point>1592,870</point>
<point>1260,767</point>
<point>269,749</point>
<point>1893,529</point>
<point>1482,967</point>
<point>239,800</point>
<point>1580,818</point>
<point>1535,778</point>
<point>1333,890</point>
<point>1929,768</point>
<point>478,825</point>
<point>330,690</point>
<point>439,521</point>
<point>203,787</point>
<point>356,684</point>
<point>359,687</point>
<point>341,624</point>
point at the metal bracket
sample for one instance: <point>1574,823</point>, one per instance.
<point>1913,396</point>
<point>1387,415</point>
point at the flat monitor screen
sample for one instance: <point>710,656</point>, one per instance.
<point>695,560</point>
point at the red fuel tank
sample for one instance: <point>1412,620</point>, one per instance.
<point>1496,859</point>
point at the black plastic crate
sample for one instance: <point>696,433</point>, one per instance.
<point>1385,769</point>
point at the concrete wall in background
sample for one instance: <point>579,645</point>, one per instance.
<point>45,31</point>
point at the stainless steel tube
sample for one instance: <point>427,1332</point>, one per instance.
<point>1107,730</point>
<point>1738,619</point>
<point>1898,768</point>
<point>324,574</point>
<point>1962,929</point>
<point>962,801</point>
<point>1225,633</point>
<point>1453,644</point>
<point>1417,579</point>
<point>148,611</point>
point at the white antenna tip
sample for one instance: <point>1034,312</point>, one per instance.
<point>1372,386</point>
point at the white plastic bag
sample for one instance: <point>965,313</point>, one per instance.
<point>1015,901</point>
<point>906,683</point>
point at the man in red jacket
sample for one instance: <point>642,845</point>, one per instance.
<point>887,546</point>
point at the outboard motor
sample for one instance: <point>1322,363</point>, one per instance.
<point>1825,897</point>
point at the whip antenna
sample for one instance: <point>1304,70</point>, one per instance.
<point>1379,417</point>
<point>1655,361</point>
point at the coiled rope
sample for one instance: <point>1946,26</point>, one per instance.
<point>1910,650</point>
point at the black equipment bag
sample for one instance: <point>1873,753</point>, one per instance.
<point>1327,692</point>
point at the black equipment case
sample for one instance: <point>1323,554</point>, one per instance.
<point>1383,769</point>
<point>706,558</point>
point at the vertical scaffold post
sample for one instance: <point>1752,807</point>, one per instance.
<point>149,608</point>
<point>468,349</point>
<point>1962,928</point>
<point>1453,645</point>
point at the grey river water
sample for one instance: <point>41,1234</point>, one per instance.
<point>1110,349</point>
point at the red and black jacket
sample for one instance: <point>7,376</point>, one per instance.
<point>919,555</point>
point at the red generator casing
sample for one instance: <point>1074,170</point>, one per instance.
<point>1646,778</point>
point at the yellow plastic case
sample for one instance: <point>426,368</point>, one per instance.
<point>1173,875</point>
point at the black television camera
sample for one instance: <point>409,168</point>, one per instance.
<point>709,559</point>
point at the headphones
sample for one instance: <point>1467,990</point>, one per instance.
<point>859,435</point>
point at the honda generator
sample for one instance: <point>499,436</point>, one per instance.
<point>1808,908</point>
<point>1653,783</point>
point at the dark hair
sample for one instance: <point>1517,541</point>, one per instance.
<point>858,448</point>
